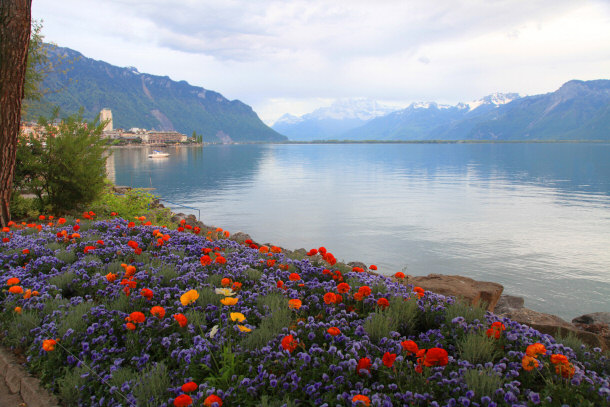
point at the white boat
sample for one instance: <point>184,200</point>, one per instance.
<point>158,154</point>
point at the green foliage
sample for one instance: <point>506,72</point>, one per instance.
<point>279,317</point>
<point>400,315</point>
<point>67,256</point>
<point>74,318</point>
<point>167,274</point>
<point>151,384</point>
<point>69,171</point>
<point>22,208</point>
<point>461,308</point>
<point>69,385</point>
<point>63,281</point>
<point>134,203</point>
<point>477,348</point>
<point>253,274</point>
<point>483,382</point>
<point>19,327</point>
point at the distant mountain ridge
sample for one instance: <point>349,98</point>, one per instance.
<point>578,110</point>
<point>328,122</point>
<point>147,101</point>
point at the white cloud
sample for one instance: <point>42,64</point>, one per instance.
<point>278,54</point>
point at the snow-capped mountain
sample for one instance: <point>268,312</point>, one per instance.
<point>330,122</point>
<point>495,100</point>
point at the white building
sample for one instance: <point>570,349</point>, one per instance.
<point>106,114</point>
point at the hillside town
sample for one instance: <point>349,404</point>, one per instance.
<point>120,136</point>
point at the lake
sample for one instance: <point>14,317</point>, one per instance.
<point>532,217</point>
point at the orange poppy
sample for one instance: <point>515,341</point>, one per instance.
<point>189,387</point>
<point>16,289</point>
<point>229,301</point>
<point>136,317</point>
<point>49,344</point>
<point>365,290</point>
<point>343,288</point>
<point>295,303</point>
<point>410,346</point>
<point>436,357</point>
<point>205,260</point>
<point>236,286</point>
<point>388,359</point>
<point>263,249</point>
<point>211,399</point>
<point>334,331</point>
<point>225,282</point>
<point>181,319</point>
<point>183,400</point>
<point>130,326</point>
<point>535,349</point>
<point>220,260</point>
<point>12,281</point>
<point>294,277</point>
<point>419,291</point>
<point>400,274</point>
<point>329,298</point>
<point>289,343</point>
<point>529,363</point>
<point>373,267</point>
<point>383,303</point>
<point>158,311</point>
<point>360,399</point>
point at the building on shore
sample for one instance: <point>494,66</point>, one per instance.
<point>106,115</point>
<point>160,137</point>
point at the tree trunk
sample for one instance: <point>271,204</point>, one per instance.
<point>15,21</point>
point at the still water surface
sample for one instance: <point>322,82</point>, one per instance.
<point>532,217</point>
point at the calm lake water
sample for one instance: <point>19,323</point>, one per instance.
<point>532,217</point>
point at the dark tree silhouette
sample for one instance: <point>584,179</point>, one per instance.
<point>15,26</point>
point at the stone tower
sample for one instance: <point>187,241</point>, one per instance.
<point>106,114</point>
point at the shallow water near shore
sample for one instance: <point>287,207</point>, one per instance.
<point>532,217</point>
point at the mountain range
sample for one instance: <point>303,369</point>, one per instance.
<point>145,101</point>
<point>578,110</point>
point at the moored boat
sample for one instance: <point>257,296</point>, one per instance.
<point>158,154</point>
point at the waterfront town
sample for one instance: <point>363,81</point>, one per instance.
<point>120,136</point>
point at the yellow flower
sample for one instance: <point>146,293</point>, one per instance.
<point>189,297</point>
<point>229,301</point>
<point>227,292</point>
<point>237,316</point>
<point>244,328</point>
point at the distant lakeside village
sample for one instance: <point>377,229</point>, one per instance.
<point>119,137</point>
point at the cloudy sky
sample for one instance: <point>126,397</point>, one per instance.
<point>285,56</point>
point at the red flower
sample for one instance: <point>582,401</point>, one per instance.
<point>409,346</point>
<point>100,242</point>
<point>420,291</point>
<point>436,357</point>
<point>363,364</point>
<point>329,298</point>
<point>360,399</point>
<point>138,250</point>
<point>493,332</point>
<point>334,331</point>
<point>236,286</point>
<point>312,252</point>
<point>25,251</point>
<point>189,387</point>
<point>289,343</point>
<point>225,282</point>
<point>357,269</point>
<point>137,317</point>
<point>373,267</point>
<point>131,224</point>
<point>205,260</point>
<point>400,274</point>
<point>280,284</point>
<point>75,228</point>
<point>388,359</point>
<point>343,288</point>
<point>322,250</point>
<point>130,326</point>
<point>221,260</point>
<point>271,262</point>
<point>383,303</point>
<point>206,250</point>
<point>211,399</point>
<point>88,249</point>
<point>158,311</point>
<point>182,321</point>
<point>146,293</point>
<point>294,277</point>
<point>132,244</point>
<point>365,290</point>
<point>183,400</point>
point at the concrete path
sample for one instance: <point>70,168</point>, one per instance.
<point>9,400</point>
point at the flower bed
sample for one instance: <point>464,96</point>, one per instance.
<point>110,313</point>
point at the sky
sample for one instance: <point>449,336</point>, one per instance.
<point>284,56</point>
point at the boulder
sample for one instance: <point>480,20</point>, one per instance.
<point>508,303</point>
<point>555,326</point>
<point>240,237</point>
<point>597,323</point>
<point>475,292</point>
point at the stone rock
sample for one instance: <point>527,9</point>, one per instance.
<point>358,264</point>
<point>555,326</point>
<point>593,318</point>
<point>597,323</point>
<point>508,303</point>
<point>14,373</point>
<point>475,292</point>
<point>34,395</point>
<point>240,237</point>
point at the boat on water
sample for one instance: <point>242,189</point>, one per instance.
<point>158,154</point>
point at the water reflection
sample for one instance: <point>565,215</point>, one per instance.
<point>533,217</point>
